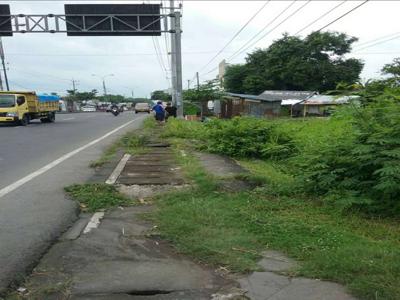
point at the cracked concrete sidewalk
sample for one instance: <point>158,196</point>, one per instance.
<point>120,259</point>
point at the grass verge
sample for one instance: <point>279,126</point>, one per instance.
<point>232,229</point>
<point>94,197</point>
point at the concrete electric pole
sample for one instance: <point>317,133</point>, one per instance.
<point>176,59</point>
<point>4,65</point>
<point>173,52</point>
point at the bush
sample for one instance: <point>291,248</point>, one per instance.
<point>183,129</point>
<point>362,171</point>
<point>248,137</point>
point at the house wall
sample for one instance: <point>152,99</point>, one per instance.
<point>262,109</point>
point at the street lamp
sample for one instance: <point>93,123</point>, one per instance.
<point>104,81</point>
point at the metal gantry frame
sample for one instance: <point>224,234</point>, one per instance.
<point>51,23</point>
<point>59,23</point>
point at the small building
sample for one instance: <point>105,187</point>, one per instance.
<point>267,104</point>
<point>322,105</point>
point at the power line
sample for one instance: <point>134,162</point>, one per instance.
<point>320,17</point>
<point>235,35</point>
<point>276,26</point>
<point>342,16</point>
<point>265,27</point>
<point>160,62</point>
<point>377,39</point>
<point>378,43</point>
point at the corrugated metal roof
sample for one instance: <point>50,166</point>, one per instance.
<point>272,95</point>
<point>250,97</point>
<point>291,102</point>
<point>327,100</point>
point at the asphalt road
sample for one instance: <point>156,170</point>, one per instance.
<point>36,163</point>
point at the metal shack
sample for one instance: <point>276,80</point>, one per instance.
<point>267,104</point>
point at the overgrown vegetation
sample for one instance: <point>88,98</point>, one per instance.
<point>93,197</point>
<point>330,199</point>
<point>232,229</point>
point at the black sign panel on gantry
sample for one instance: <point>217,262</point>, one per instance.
<point>5,20</point>
<point>113,19</point>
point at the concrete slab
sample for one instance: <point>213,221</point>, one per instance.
<point>182,295</point>
<point>308,289</point>
<point>150,181</point>
<point>76,229</point>
<point>219,165</point>
<point>276,262</point>
<point>113,277</point>
<point>269,285</point>
<point>151,169</point>
<point>263,285</point>
<point>119,261</point>
<point>149,163</point>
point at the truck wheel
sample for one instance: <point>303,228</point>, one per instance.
<point>25,120</point>
<point>52,117</point>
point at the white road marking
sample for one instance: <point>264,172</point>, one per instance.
<point>118,169</point>
<point>4,191</point>
<point>94,222</point>
<point>67,119</point>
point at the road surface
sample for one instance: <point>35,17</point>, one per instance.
<point>36,163</point>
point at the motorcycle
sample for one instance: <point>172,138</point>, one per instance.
<point>115,111</point>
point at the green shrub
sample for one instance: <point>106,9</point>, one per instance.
<point>362,171</point>
<point>184,129</point>
<point>248,137</point>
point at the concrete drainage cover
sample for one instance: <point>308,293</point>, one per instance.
<point>156,167</point>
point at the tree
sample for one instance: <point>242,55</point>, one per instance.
<point>234,78</point>
<point>161,95</point>
<point>209,91</point>
<point>314,63</point>
<point>392,69</point>
<point>74,95</point>
<point>204,93</point>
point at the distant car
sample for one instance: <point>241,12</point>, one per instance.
<point>142,107</point>
<point>88,109</point>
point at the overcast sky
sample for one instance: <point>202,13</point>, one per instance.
<point>48,62</point>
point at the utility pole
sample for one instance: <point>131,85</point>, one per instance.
<point>198,80</point>
<point>173,51</point>
<point>74,83</point>
<point>188,84</point>
<point>104,87</point>
<point>4,64</point>
<point>178,61</point>
<point>1,83</point>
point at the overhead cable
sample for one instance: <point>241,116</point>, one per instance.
<point>320,17</point>
<point>235,35</point>
<point>265,27</point>
<point>342,16</point>
<point>271,30</point>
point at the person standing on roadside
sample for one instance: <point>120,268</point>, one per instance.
<point>171,110</point>
<point>160,112</point>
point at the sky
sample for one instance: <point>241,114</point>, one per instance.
<point>47,62</point>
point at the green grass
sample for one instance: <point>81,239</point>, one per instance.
<point>233,229</point>
<point>94,197</point>
<point>132,143</point>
